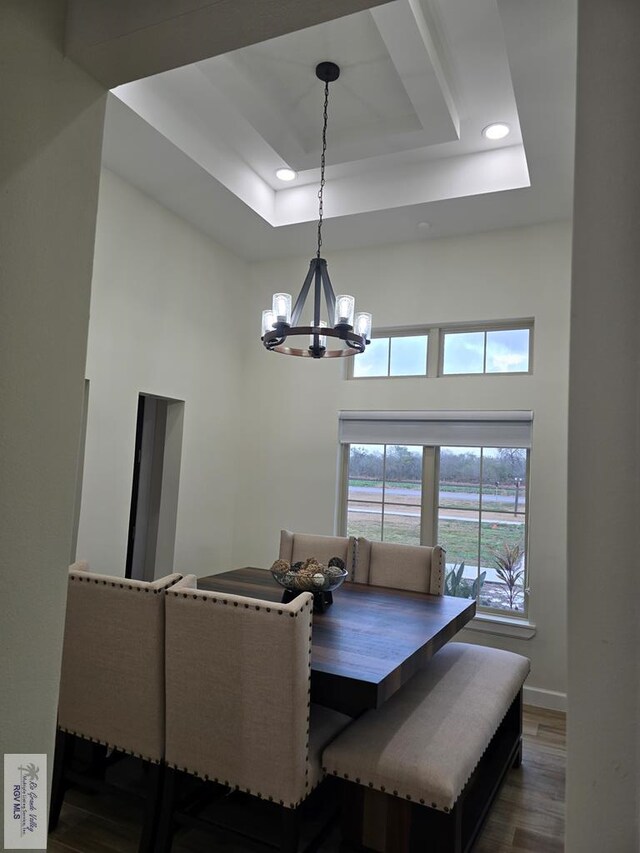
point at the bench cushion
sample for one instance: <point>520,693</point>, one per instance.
<point>424,743</point>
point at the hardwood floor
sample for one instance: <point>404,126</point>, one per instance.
<point>527,817</point>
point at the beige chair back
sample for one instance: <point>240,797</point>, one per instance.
<point>237,691</point>
<point>419,568</point>
<point>112,676</point>
<point>296,547</point>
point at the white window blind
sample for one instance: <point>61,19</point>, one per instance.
<point>438,428</point>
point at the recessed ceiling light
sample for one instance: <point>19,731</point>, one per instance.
<point>496,131</point>
<point>286,174</point>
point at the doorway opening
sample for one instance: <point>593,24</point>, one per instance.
<point>154,490</point>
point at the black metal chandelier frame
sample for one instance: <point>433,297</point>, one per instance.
<point>277,339</point>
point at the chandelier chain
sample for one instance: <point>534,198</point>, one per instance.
<point>281,322</point>
<point>322,166</point>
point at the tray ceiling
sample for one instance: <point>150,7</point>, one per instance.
<point>419,81</point>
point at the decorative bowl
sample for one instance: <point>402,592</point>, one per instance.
<point>310,576</point>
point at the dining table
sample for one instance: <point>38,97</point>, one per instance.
<point>369,642</point>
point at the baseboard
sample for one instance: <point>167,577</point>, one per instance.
<point>553,700</point>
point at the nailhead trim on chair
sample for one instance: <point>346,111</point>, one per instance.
<point>353,545</point>
<point>155,590</point>
<point>440,570</point>
<point>111,745</point>
<point>88,579</point>
<point>383,789</point>
<point>235,603</point>
<point>226,782</point>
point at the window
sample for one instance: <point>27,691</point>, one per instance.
<point>482,523</point>
<point>463,352</point>
<point>401,355</point>
<point>458,479</point>
<point>487,351</point>
<point>385,492</point>
<point>447,351</point>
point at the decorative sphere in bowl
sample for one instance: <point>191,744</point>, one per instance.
<point>310,576</point>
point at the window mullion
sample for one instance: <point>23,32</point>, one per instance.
<point>429,503</point>
<point>479,566</point>
<point>341,521</point>
<point>384,487</point>
<point>525,597</point>
<point>434,366</point>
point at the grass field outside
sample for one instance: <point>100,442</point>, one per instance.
<point>464,539</point>
<point>505,490</point>
<point>459,537</point>
<point>377,484</point>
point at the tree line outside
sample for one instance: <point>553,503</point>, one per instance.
<point>403,465</point>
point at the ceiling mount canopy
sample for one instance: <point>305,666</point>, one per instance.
<point>280,322</point>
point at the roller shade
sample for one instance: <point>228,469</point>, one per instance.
<point>438,428</point>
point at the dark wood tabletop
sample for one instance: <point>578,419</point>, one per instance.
<point>371,640</point>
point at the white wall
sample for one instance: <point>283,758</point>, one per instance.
<point>164,305</point>
<point>290,431</point>
<point>52,116</point>
<point>603,736</point>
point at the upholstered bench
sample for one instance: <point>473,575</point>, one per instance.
<point>421,771</point>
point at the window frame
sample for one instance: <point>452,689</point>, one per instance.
<point>435,335</point>
<point>429,515</point>
<point>343,501</point>
<point>515,326</point>
<point>405,332</point>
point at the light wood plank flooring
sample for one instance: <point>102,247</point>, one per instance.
<point>527,817</point>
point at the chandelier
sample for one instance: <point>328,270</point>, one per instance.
<point>280,322</point>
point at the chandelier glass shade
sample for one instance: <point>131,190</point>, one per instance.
<point>348,332</point>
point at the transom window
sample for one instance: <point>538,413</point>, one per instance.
<point>447,351</point>
<point>400,355</point>
<point>486,351</point>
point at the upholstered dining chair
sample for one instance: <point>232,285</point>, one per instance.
<point>296,547</point>
<point>419,568</point>
<point>238,705</point>
<point>112,679</point>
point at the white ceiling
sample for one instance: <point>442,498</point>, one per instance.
<point>419,81</point>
